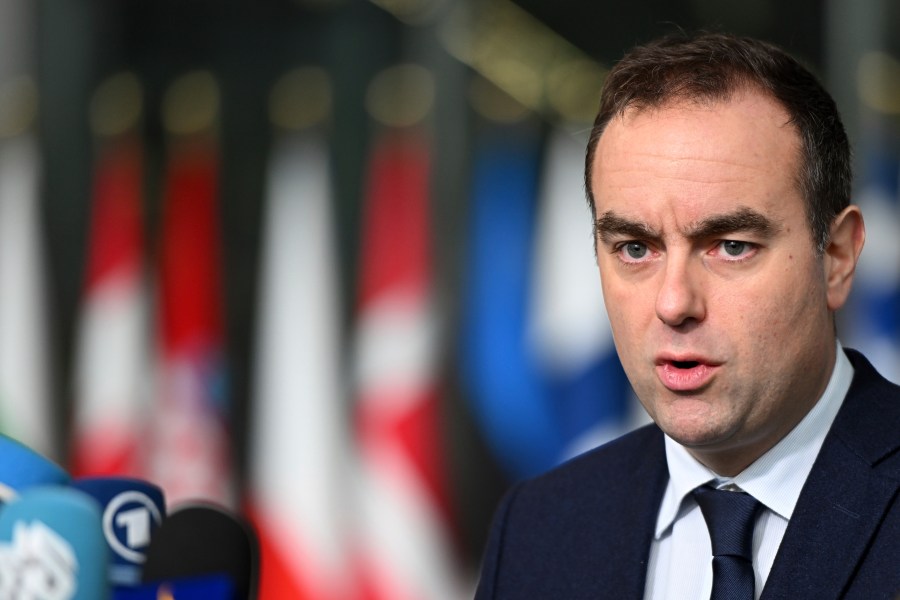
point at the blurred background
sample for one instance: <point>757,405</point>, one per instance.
<point>328,262</point>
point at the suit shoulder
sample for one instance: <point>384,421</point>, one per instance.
<point>869,420</point>
<point>638,455</point>
<point>583,529</point>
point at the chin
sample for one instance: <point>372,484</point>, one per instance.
<point>696,433</point>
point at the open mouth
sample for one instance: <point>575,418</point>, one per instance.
<point>685,375</point>
<point>684,364</point>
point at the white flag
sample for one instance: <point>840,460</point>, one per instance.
<point>24,356</point>
<point>298,438</point>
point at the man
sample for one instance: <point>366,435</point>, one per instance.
<point>718,175</point>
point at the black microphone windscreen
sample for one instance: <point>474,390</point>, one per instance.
<point>204,539</point>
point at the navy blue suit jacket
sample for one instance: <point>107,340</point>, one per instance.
<point>584,529</point>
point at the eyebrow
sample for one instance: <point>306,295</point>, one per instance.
<point>610,225</point>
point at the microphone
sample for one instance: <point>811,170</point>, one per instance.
<point>131,512</point>
<point>208,587</point>
<point>203,540</point>
<point>51,546</point>
<point>21,468</point>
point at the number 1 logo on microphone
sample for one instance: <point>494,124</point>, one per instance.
<point>127,523</point>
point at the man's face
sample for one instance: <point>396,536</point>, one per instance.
<point>715,294</point>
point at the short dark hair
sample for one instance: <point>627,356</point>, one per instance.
<point>712,67</point>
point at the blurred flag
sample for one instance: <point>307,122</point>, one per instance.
<point>24,358</point>
<point>299,434</point>
<point>404,542</point>
<point>499,370</point>
<point>111,357</point>
<point>569,330</point>
<point>537,352</point>
<point>863,71</point>
<point>190,443</point>
<point>874,308</point>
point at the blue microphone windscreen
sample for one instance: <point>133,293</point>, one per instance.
<point>209,587</point>
<point>53,546</point>
<point>202,540</point>
<point>22,468</point>
<point>132,510</point>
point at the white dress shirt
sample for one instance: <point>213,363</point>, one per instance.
<point>680,564</point>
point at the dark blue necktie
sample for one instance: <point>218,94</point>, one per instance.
<point>730,517</point>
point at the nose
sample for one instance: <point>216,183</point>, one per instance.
<point>680,299</point>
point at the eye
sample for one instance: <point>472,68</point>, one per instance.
<point>633,251</point>
<point>734,249</point>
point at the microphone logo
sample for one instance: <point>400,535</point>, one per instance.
<point>127,522</point>
<point>37,564</point>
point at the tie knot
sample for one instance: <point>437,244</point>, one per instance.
<point>730,517</point>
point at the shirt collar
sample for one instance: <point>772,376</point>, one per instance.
<point>775,478</point>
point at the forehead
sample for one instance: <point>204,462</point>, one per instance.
<point>740,148</point>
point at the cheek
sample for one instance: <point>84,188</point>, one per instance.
<point>776,311</point>
<point>629,319</point>
<point>621,304</point>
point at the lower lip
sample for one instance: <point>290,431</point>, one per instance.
<point>685,380</point>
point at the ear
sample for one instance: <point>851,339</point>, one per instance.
<point>848,234</point>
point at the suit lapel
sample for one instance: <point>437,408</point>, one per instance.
<point>632,521</point>
<point>845,497</point>
<point>839,510</point>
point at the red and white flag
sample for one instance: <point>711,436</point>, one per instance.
<point>111,374</point>
<point>299,435</point>
<point>404,537</point>
<point>190,455</point>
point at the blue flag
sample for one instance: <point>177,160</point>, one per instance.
<point>537,357</point>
